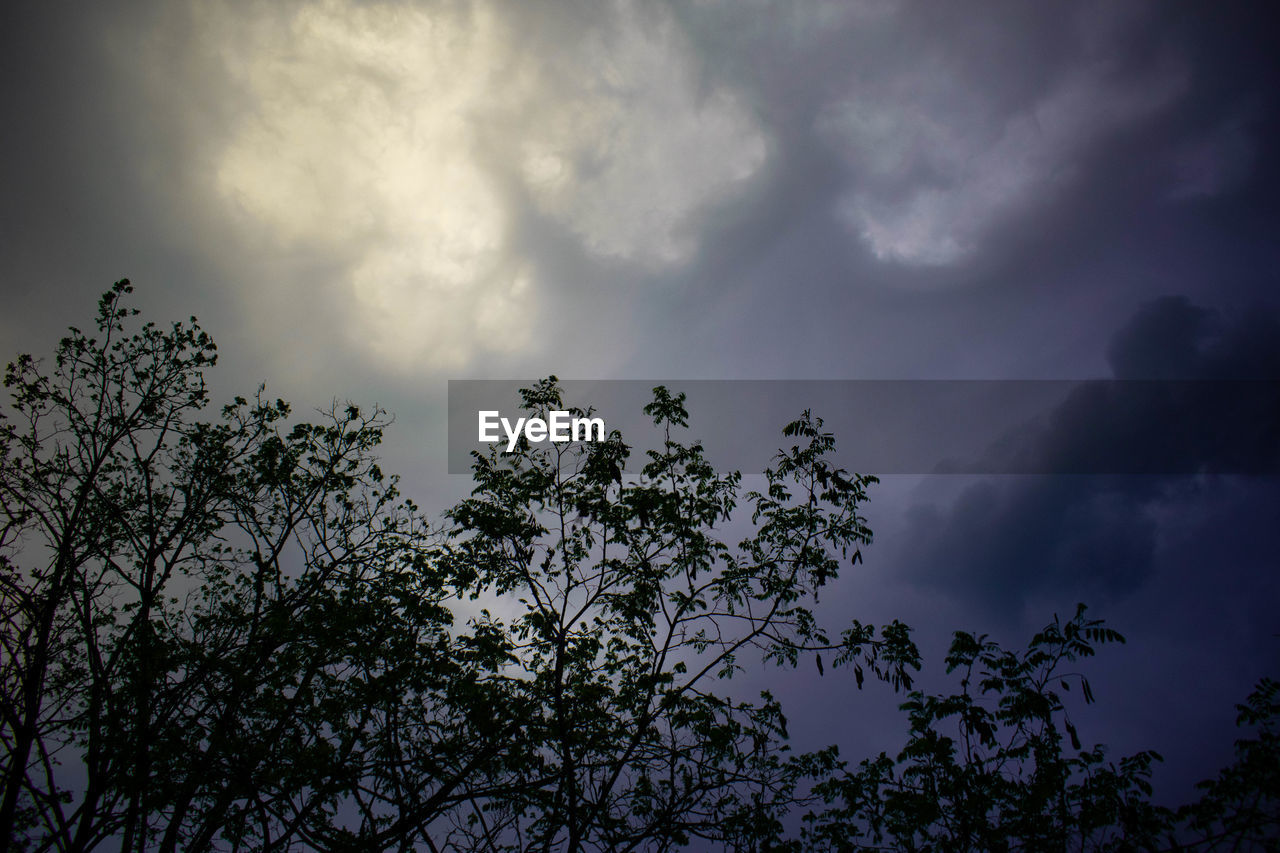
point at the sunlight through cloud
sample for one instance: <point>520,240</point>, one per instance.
<point>391,137</point>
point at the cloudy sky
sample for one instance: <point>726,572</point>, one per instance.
<point>364,200</point>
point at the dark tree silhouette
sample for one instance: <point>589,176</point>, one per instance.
<point>999,766</point>
<point>630,611</point>
<point>225,629</point>
<point>230,631</point>
<point>203,619</point>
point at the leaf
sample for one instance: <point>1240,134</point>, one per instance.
<point>1075,738</point>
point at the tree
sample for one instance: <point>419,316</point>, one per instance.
<point>226,629</point>
<point>999,766</point>
<point>230,631</point>
<point>631,610</point>
<point>1240,807</point>
<point>212,627</point>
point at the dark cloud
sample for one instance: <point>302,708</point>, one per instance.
<point>1005,540</point>
<point>1171,338</point>
<point>1001,542</point>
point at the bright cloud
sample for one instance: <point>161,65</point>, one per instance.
<point>633,150</point>
<point>389,137</point>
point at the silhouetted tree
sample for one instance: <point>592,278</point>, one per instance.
<point>214,629</point>
<point>631,610</point>
<point>227,630</point>
<point>230,631</point>
<point>999,766</point>
<point>1240,807</point>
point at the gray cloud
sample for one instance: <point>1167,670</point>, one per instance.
<point>945,150</point>
<point>1214,161</point>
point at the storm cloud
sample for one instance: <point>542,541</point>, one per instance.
<point>1005,539</point>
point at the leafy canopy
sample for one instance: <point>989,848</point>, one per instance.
<point>225,629</point>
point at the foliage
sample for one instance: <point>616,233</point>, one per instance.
<point>226,629</point>
<point>999,766</point>
<point>212,622</point>
<point>631,609</point>
<point>1240,808</point>
<point>231,632</point>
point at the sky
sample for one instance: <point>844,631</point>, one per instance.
<point>364,200</point>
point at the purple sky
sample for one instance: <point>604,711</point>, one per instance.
<point>365,199</point>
